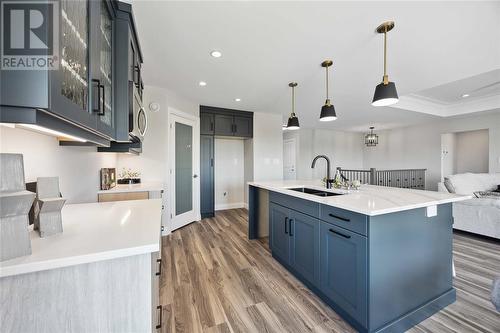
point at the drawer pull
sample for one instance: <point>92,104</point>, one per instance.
<point>340,234</point>
<point>286,224</point>
<point>159,267</point>
<point>159,307</point>
<point>339,217</point>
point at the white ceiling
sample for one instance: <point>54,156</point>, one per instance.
<point>265,45</point>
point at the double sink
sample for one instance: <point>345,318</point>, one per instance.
<point>314,191</point>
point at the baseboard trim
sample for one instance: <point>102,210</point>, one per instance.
<point>230,206</point>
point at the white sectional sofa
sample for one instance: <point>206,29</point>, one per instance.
<point>477,215</point>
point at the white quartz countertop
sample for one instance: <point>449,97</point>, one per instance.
<point>93,232</point>
<point>368,200</point>
<point>142,187</point>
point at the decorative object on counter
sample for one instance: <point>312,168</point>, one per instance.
<point>385,92</point>
<point>371,139</point>
<point>108,178</point>
<point>127,176</point>
<point>328,110</point>
<point>293,120</point>
<point>487,194</point>
<point>48,206</point>
<point>15,203</point>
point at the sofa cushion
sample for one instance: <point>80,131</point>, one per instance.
<point>448,185</point>
<point>468,183</point>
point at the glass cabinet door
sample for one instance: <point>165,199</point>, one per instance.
<point>106,65</point>
<point>74,51</point>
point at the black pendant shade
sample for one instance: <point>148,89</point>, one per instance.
<point>328,112</point>
<point>293,122</point>
<point>385,94</point>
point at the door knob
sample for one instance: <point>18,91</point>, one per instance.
<point>195,176</point>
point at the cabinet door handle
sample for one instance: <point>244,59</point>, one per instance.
<point>235,128</point>
<point>291,234</point>
<point>159,307</point>
<point>159,267</point>
<point>137,78</point>
<point>339,217</point>
<point>211,126</point>
<point>98,103</point>
<point>286,224</point>
<point>103,111</point>
<point>340,234</point>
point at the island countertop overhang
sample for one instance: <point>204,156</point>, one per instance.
<point>369,200</point>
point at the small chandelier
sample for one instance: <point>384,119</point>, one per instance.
<point>371,139</point>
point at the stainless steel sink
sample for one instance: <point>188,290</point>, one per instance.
<point>314,191</point>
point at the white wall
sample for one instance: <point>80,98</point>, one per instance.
<point>229,173</point>
<point>267,147</point>
<point>448,148</point>
<point>343,148</point>
<point>420,146</point>
<point>472,154</point>
<point>77,167</point>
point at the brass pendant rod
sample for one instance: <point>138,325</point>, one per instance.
<point>293,101</point>
<point>385,52</point>
<point>326,82</point>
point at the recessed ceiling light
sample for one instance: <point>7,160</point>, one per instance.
<point>465,95</point>
<point>216,54</point>
<point>202,83</point>
<point>237,99</point>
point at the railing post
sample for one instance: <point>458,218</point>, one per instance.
<point>373,172</point>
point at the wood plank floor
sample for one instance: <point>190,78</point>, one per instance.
<point>216,280</point>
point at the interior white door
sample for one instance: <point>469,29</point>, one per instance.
<point>183,179</point>
<point>289,160</point>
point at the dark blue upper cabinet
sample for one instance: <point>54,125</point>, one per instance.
<point>304,234</point>
<point>343,270</point>
<point>243,126</point>
<point>279,224</point>
<point>102,65</point>
<point>80,92</point>
<point>206,123</point>
<point>225,122</point>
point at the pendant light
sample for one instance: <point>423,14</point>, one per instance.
<point>328,110</point>
<point>293,121</point>
<point>385,92</point>
<point>371,139</point>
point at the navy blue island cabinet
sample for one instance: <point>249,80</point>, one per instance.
<point>383,273</point>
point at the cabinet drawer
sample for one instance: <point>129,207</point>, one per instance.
<point>304,206</point>
<point>343,218</point>
<point>105,197</point>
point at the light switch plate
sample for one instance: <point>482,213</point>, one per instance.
<point>431,211</point>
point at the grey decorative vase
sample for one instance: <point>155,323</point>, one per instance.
<point>15,203</point>
<point>48,206</point>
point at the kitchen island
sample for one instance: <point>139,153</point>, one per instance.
<point>101,274</point>
<point>380,257</point>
